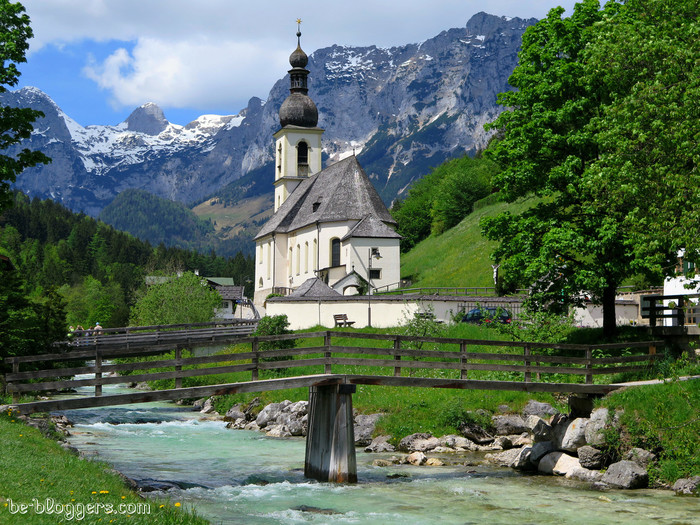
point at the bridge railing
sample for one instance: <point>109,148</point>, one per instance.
<point>368,358</point>
<point>682,309</point>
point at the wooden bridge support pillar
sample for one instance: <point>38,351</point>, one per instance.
<point>330,441</point>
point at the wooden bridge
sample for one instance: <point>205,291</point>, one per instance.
<point>331,364</point>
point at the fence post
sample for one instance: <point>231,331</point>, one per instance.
<point>98,371</point>
<point>652,353</point>
<point>680,312</point>
<point>652,312</point>
<point>255,359</point>
<point>15,370</point>
<point>397,356</point>
<point>463,360</point>
<point>528,373</point>
<point>178,367</point>
<point>327,353</point>
<point>589,366</point>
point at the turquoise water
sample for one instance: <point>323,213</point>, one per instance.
<point>236,476</point>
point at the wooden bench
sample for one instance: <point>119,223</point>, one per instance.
<point>342,320</point>
<point>427,316</point>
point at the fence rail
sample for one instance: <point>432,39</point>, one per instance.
<point>682,309</point>
<point>367,358</point>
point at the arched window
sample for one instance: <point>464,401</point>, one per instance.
<point>315,256</point>
<point>306,257</point>
<point>298,259</point>
<point>302,159</point>
<point>289,261</point>
<point>260,283</point>
<point>335,252</point>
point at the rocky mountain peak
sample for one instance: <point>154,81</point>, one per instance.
<point>148,119</point>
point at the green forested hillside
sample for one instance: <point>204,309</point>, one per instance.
<point>157,220</point>
<point>458,257</point>
<point>96,269</point>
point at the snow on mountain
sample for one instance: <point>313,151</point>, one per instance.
<point>402,110</point>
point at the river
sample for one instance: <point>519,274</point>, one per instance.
<point>243,477</point>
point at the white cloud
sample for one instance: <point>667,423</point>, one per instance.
<point>182,74</point>
<point>211,52</point>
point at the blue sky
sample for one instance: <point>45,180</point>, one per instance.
<point>100,59</point>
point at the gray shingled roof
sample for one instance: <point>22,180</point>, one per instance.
<point>340,192</point>
<point>371,227</point>
<point>314,287</point>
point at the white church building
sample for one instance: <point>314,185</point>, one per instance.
<point>328,223</point>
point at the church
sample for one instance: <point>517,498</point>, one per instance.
<point>328,224</point>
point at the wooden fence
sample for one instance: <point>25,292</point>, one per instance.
<point>681,309</point>
<point>377,359</point>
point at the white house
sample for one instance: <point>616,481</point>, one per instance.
<point>328,223</point>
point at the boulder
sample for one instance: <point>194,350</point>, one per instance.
<point>626,475</point>
<point>522,461</point>
<point>641,457</point>
<point>503,442</point>
<point>540,429</point>
<point>508,424</point>
<point>380,444</point>
<point>521,440</point>
<point>584,474</point>
<point>434,462</point>
<point>278,431</point>
<point>536,408</point>
<point>364,428</point>
<point>558,463</point>
<point>457,442</point>
<point>416,458</point>
<point>199,404</point>
<point>539,450</point>
<point>381,463</point>
<point>504,459</point>
<point>420,442</point>
<point>234,413</point>
<point>596,424</point>
<point>570,435</point>
<point>475,433</point>
<point>590,458</point>
<point>687,486</point>
<point>208,407</point>
<point>271,412</point>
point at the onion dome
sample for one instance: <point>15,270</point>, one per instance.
<point>298,109</point>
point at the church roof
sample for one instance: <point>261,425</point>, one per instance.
<point>340,192</point>
<point>372,228</point>
<point>314,287</point>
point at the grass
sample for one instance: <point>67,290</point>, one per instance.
<point>464,253</point>
<point>39,470</point>
<point>662,418</point>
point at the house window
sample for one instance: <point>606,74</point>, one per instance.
<point>298,259</point>
<point>315,255</point>
<point>335,252</point>
<point>289,261</point>
<point>375,273</point>
<point>306,257</point>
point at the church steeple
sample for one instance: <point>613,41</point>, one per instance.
<point>298,142</point>
<point>298,109</point>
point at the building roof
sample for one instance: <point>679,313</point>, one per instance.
<point>314,288</point>
<point>372,228</point>
<point>340,192</point>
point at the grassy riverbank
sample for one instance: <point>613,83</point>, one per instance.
<point>43,483</point>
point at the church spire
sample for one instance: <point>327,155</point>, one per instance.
<point>298,109</point>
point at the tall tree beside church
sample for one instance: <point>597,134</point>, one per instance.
<point>585,236</point>
<point>15,123</point>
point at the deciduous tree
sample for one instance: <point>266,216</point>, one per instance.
<point>15,123</point>
<point>586,133</point>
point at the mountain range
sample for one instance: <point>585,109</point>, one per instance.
<point>402,110</point>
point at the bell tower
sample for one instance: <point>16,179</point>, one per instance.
<point>298,141</point>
